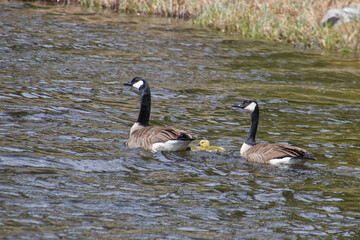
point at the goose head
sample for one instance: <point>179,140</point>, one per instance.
<point>249,105</point>
<point>137,82</point>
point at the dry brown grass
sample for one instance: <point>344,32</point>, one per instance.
<point>293,21</point>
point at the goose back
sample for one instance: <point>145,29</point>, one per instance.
<point>146,137</point>
<point>266,152</point>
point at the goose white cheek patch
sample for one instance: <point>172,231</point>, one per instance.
<point>138,84</point>
<point>251,107</point>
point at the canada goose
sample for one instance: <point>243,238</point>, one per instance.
<point>205,144</point>
<point>154,138</point>
<point>272,153</point>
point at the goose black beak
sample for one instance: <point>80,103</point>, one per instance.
<point>127,84</point>
<point>238,106</point>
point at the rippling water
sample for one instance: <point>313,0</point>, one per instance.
<point>65,117</point>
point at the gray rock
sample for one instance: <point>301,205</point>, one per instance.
<point>336,17</point>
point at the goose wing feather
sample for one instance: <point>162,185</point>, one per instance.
<point>264,152</point>
<point>145,137</point>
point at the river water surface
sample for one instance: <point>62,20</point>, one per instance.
<point>65,116</point>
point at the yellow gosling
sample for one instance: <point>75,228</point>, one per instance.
<point>196,148</point>
<point>205,144</point>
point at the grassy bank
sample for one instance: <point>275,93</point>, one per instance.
<point>294,21</point>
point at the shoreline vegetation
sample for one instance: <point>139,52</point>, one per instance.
<point>297,22</point>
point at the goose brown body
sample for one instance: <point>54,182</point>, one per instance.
<point>265,152</point>
<point>146,137</point>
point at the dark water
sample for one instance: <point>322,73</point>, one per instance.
<point>65,116</point>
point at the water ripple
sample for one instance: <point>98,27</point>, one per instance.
<point>65,117</point>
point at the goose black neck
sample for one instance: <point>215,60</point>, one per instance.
<point>253,128</point>
<point>145,106</point>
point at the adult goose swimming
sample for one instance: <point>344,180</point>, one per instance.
<point>153,138</point>
<point>270,153</point>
